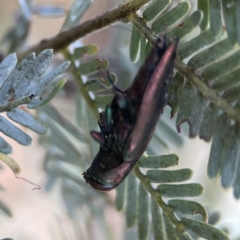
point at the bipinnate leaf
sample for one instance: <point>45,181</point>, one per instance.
<point>22,84</point>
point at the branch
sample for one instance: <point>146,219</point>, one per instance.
<point>11,105</point>
<point>63,39</point>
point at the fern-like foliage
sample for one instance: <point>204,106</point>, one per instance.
<point>20,84</point>
<point>214,57</point>
<point>15,92</point>
<point>204,93</point>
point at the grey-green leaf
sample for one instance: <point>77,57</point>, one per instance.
<point>85,50</point>
<point>5,147</point>
<point>39,101</point>
<point>215,17</point>
<point>120,196</point>
<point>161,176</point>
<point>53,113</point>
<point>157,221</point>
<point>143,213</point>
<point>6,67</point>
<point>208,122</point>
<point>211,54</point>
<point>155,9</point>
<point>45,80</point>
<point>188,26</point>
<point>169,228</point>
<point>131,208</point>
<point>216,153</point>
<point>188,207</point>
<point>196,44</point>
<point>93,66</point>
<point>228,10</point>
<point>230,157</point>
<point>12,131</point>
<point>4,208</point>
<point>162,161</point>
<point>167,20</point>
<point>134,44</point>
<point>203,5</point>
<point>204,230</point>
<point>183,190</point>
<point>78,8</point>
<point>23,118</point>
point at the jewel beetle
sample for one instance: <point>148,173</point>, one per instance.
<point>128,123</point>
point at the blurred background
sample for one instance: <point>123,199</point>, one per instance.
<point>42,214</point>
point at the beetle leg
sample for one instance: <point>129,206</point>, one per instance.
<point>108,118</point>
<point>98,136</point>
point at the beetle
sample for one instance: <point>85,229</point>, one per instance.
<point>128,123</point>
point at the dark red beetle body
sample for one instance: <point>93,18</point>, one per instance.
<point>128,123</point>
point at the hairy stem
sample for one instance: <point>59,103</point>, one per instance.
<point>158,198</point>
<point>81,86</point>
<point>11,105</point>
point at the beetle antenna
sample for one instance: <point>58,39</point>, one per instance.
<point>112,83</point>
<point>97,82</point>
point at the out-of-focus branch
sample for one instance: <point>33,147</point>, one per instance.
<point>63,39</point>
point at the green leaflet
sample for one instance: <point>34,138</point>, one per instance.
<point>143,213</point>
<point>167,20</point>
<point>203,5</point>
<point>155,9</point>
<point>204,230</point>
<point>131,206</point>
<point>183,190</point>
<point>134,44</point>
<point>163,161</point>
<point>188,207</point>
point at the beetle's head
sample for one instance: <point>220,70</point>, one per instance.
<point>92,178</point>
<point>107,172</point>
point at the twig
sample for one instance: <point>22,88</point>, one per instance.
<point>11,105</point>
<point>63,39</point>
<point>81,86</point>
<point>158,198</point>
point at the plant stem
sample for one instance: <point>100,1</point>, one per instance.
<point>81,86</point>
<point>158,199</point>
<point>64,39</point>
<point>11,105</point>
